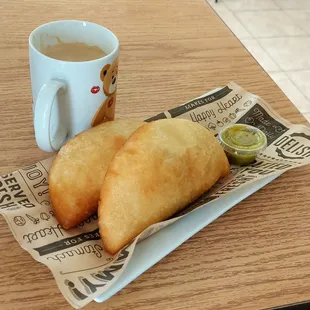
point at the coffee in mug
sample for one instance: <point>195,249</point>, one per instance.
<point>75,51</point>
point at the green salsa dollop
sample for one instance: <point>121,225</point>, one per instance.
<point>242,143</point>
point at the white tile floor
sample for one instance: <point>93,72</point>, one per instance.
<point>277,34</point>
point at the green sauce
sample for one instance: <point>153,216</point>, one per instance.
<point>242,143</point>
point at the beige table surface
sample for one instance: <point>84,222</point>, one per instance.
<point>255,256</point>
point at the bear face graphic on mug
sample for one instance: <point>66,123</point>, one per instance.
<point>108,76</point>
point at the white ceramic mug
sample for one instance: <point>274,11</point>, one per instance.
<point>69,97</point>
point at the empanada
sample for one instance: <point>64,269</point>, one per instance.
<point>78,171</point>
<point>161,168</point>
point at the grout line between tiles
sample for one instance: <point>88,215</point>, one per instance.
<point>285,72</point>
<point>254,10</point>
<point>299,70</point>
<point>234,14</point>
<point>274,37</point>
<point>278,8</point>
<point>255,40</point>
<point>276,62</point>
<point>262,48</point>
<point>293,9</point>
<point>222,19</point>
<point>301,92</point>
<point>275,3</point>
<point>293,21</point>
<point>280,37</point>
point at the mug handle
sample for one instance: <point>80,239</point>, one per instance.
<point>42,117</point>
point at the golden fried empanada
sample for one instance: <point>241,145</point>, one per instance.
<point>80,166</point>
<point>161,168</point>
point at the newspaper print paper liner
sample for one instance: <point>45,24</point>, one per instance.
<point>81,267</point>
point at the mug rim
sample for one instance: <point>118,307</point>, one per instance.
<point>114,51</point>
